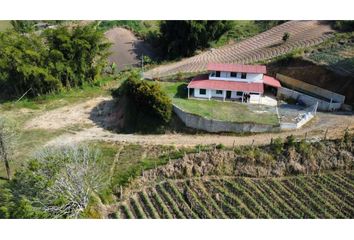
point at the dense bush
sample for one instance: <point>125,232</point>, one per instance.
<point>58,58</point>
<point>344,26</point>
<point>183,38</point>
<point>147,106</point>
<point>56,183</point>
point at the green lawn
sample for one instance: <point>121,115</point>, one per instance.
<point>214,109</point>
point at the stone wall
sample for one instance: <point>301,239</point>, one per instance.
<point>211,125</point>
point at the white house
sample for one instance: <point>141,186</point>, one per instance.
<point>246,83</point>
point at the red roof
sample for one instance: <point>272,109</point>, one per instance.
<point>236,68</point>
<point>203,82</point>
<point>267,80</point>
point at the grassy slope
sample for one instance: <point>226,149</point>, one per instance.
<point>30,140</point>
<point>4,24</point>
<point>327,195</point>
<point>227,111</point>
<point>337,53</point>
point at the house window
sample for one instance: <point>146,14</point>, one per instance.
<point>233,74</point>
<point>217,73</point>
<point>243,75</point>
<point>202,91</point>
<point>219,92</point>
<point>239,93</point>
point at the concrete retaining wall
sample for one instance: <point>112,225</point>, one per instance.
<point>308,100</point>
<point>303,86</point>
<point>291,126</point>
<point>210,125</point>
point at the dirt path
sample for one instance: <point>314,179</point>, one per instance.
<point>96,114</point>
<point>126,49</point>
<point>82,114</point>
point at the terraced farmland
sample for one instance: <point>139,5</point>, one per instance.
<point>263,46</point>
<point>321,196</point>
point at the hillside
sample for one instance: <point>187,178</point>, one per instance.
<point>260,47</point>
<point>4,25</point>
<point>316,74</point>
<point>318,196</point>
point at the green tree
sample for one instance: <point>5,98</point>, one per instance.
<point>183,38</point>
<point>56,183</point>
<point>147,106</point>
<point>23,26</point>
<point>40,64</point>
<point>286,36</point>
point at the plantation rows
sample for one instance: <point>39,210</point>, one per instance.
<point>338,59</point>
<point>320,196</point>
<point>264,46</point>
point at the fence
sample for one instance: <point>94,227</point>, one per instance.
<point>301,119</point>
<point>311,89</point>
<point>308,100</point>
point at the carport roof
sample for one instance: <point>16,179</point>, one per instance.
<point>267,80</point>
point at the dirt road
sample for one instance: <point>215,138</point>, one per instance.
<point>126,49</point>
<point>95,115</point>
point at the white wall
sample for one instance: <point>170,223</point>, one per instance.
<point>233,95</point>
<point>207,95</point>
<point>214,94</point>
<point>308,100</point>
<point>250,77</point>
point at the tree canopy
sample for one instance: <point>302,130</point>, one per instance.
<point>147,107</point>
<point>183,38</point>
<point>58,182</point>
<point>57,58</point>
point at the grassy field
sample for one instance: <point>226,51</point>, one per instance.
<point>337,53</point>
<point>214,109</point>
<point>51,101</point>
<point>30,140</point>
<point>319,196</point>
<point>125,162</point>
<point>4,24</point>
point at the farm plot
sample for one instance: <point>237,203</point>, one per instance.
<point>339,59</point>
<point>329,195</point>
<point>263,46</point>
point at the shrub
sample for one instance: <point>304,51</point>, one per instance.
<point>290,141</point>
<point>347,140</point>
<point>277,145</point>
<point>304,147</point>
<point>286,36</point>
<point>147,106</point>
<point>220,146</point>
<point>345,26</point>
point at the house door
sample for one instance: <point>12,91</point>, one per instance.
<point>228,94</point>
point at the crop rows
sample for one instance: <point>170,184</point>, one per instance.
<point>320,196</point>
<point>263,46</point>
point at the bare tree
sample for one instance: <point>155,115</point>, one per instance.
<point>79,176</point>
<point>8,136</point>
